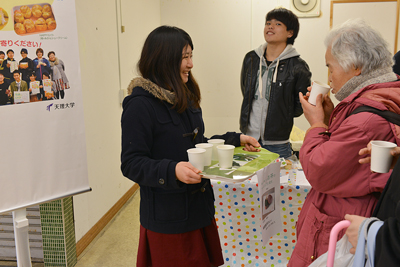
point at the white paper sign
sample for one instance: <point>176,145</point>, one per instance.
<point>269,192</point>
<point>35,87</point>
<point>13,65</point>
<point>301,178</point>
<point>47,85</point>
<point>21,96</point>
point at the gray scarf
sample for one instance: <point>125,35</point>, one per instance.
<point>358,82</point>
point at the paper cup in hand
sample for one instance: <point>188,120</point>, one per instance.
<point>208,148</point>
<point>381,159</point>
<point>225,156</point>
<point>317,88</point>
<point>215,142</point>
<point>197,157</point>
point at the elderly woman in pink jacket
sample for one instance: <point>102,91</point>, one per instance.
<point>360,74</point>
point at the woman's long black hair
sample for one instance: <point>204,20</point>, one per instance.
<point>160,63</point>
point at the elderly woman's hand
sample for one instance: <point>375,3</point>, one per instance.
<point>249,143</point>
<point>328,106</point>
<point>315,115</point>
<point>367,151</point>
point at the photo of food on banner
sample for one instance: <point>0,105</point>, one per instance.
<point>29,19</point>
<point>3,18</point>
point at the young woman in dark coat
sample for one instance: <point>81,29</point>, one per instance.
<point>161,119</point>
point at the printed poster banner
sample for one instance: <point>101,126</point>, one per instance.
<point>42,137</point>
<point>269,182</point>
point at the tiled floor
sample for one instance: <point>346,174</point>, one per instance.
<point>117,244</point>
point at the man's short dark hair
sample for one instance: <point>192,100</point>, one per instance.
<point>288,18</point>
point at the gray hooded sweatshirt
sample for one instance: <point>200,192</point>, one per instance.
<point>259,110</point>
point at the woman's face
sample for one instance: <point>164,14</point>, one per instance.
<point>39,54</point>
<point>337,76</point>
<point>52,57</point>
<point>186,64</point>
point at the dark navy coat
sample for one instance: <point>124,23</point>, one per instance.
<point>153,143</point>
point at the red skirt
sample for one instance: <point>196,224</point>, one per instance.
<point>200,248</point>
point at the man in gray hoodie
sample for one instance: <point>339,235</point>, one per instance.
<point>268,110</point>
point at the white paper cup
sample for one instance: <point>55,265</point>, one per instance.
<point>225,156</point>
<point>197,157</point>
<point>208,156</point>
<point>317,88</point>
<point>381,159</point>
<point>215,142</point>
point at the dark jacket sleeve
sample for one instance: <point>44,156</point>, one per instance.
<point>303,77</point>
<point>243,74</point>
<point>231,138</point>
<point>248,76</point>
<point>396,66</point>
<point>387,250</point>
<point>137,162</point>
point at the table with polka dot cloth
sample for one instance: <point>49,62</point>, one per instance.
<point>237,212</point>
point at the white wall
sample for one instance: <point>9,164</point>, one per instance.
<point>139,18</point>
<point>97,30</point>
<point>223,31</point>
<point>221,37</point>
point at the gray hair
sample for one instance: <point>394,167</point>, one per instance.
<point>355,43</point>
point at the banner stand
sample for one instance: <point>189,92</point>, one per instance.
<point>21,225</point>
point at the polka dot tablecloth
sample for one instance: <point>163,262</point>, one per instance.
<point>237,212</point>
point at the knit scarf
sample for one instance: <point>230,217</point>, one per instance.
<point>55,62</point>
<point>358,82</point>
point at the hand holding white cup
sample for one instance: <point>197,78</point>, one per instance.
<point>225,156</point>
<point>197,157</point>
<point>317,88</point>
<point>381,158</point>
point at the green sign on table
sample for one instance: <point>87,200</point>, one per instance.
<point>245,165</point>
